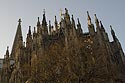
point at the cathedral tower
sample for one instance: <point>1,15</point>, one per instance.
<point>16,39</point>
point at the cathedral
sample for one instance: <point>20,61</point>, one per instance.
<point>63,53</point>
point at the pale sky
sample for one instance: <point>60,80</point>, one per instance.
<point>110,12</point>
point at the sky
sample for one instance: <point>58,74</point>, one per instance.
<point>110,12</point>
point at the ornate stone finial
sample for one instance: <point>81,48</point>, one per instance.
<point>29,27</point>
<point>29,30</point>
<point>38,19</point>
<point>113,34</point>
<point>7,47</point>
<point>87,13</point>
<point>96,19</point>
<point>72,18</point>
<point>88,16</point>
<point>19,20</point>
<point>95,16</point>
<point>7,51</point>
<point>79,25</point>
<point>73,21</point>
<point>66,11</point>
<point>112,31</point>
<point>55,20</point>
<point>38,23</point>
<point>44,11</point>
<point>102,26</point>
<point>34,29</point>
<point>50,27</point>
<point>44,19</point>
<point>111,27</point>
<point>72,15</point>
<point>78,21</point>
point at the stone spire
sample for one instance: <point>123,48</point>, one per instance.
<point>29,32</point>
<point>44,19</point>
<point>113,33</point>
<point>104,33</point>
<point>38,26</point>
<point>73,21</point>
<point>34,33</point>
<point>29,39</point>
<point>50,27</point>
<point>44,24</point>
<point>34,30</point>
<point>73,26</point>
<point>19,31</point>
<point>90,25</point>
<point>89,18</point>
<point>97,25</point>
<point>67,17</point>
<point>102,27</point>
<point>16,39</point>
<point>56,20</point>
<point>79,22</point>
<point>79,27</point>
<point>38,22</point>
<point>34,45</point>
<point>56,24</point>
<point>96,21</point>
<point>7,52</point>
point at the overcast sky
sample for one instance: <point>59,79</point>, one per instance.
<point>110,12</point>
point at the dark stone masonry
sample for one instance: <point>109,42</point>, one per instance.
<point>63,53</point>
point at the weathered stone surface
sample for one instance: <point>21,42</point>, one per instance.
<point>64,55</point>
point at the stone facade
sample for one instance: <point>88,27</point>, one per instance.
<point>1,64</point>
<point>64,54</point>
